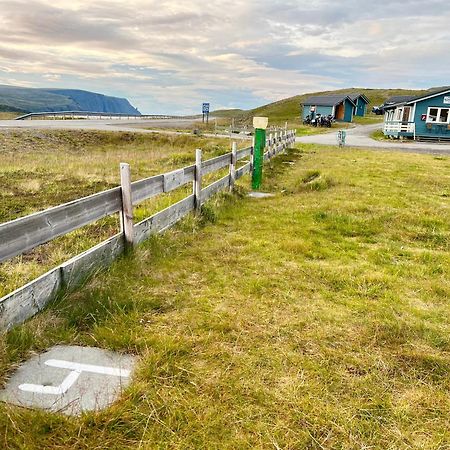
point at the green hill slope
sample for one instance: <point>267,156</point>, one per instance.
<point>289,109</point>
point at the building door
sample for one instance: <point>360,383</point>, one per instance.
<point>406,112</point>
<point>340,112</point>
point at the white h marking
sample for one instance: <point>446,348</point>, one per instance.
<point>76,370</point>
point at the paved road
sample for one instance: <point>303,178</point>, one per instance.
<point>103,125</point>
<point>360,137</point>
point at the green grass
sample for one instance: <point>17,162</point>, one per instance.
<point>378,135</point>
<point>318,318</point>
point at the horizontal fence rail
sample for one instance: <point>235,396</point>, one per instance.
<point>24,234</point>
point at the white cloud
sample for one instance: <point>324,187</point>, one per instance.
<point>169,55</point>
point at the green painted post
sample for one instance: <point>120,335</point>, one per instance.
<point>260,139</point>
<point>260,124</point>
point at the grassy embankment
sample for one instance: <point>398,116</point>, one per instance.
<point>318,318</point>
<point>40,169</point>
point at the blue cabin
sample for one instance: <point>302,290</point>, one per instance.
<point>341,107</point>
<point>421,118</point>
<point>361,102</point>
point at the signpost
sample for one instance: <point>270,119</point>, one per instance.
<point>205,112</point>
<point>341,135</point>
<point>260,125</point>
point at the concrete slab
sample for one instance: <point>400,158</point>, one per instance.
<point>70,379</point>
<point>260,195</point>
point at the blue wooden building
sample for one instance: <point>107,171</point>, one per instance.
<point>341,107</point>
<point>361,102</point>
<point>424,117</point>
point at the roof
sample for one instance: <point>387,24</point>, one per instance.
<point>398,99</point>
<point>431,93</point>
<point>327,100</point>
<point>410,99</point>
<point>357,95</point>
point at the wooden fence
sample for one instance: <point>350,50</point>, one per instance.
<point>24,234</point>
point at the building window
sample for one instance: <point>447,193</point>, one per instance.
<point>438,115</point>
<point>443,116</point>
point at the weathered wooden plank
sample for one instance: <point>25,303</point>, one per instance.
<point>25,302</point>
<point>28,300</point>
<point>26,233</point>
<point>244,152</point>
<point>211,165</point>
<point>148,187</point>
<point>189,173</point>
<point>126,216</point>
<point>173,180</point>
<point>218,185</point>
<point>233,166</point>
<point>164,219</point>
<point>78,269</point>
<point>242,170</point>
<point>197,188</point>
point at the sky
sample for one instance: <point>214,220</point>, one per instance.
<point>170,56</point>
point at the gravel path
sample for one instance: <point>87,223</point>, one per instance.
<point>359,136</point>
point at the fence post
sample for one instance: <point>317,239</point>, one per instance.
<point>270,146</point>
<point>233,165</point>
<point>252,154</point>
<point>198,180</point>
<point>126,217</point>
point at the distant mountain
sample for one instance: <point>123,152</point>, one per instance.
<point>39,100</point>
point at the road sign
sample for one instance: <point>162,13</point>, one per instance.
<point>69,379</point>
<point>205,108</point>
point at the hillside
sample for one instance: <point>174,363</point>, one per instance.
<point>289,109</point>
<point>20,99</point>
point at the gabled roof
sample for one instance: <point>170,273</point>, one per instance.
<point>430,94</point>
<point>357,95</point>
<point>327,100</point>
<point>400,100</point>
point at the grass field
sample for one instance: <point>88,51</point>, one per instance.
<point>318,318</point>
<point>40,169</point>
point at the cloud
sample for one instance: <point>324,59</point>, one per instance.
<point>169,56</point>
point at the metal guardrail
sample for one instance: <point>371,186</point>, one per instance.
<point>99,115</point>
